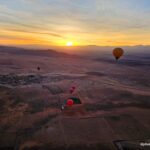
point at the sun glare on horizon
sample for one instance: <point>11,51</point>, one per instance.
<point>69,43</point>
<point>70,24</point>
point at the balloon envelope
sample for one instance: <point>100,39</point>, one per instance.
<point>70,102</point>
<point>118,52</point>
<point>38,68</point>
<point>71,91</point>
<point>73,87</point>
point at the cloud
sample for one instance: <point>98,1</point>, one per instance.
<point>83,19</point>
<point>43,33</point>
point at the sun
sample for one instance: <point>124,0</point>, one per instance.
<point>69,43</point>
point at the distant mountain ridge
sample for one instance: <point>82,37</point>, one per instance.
<point>92,51</point>
<point>24,51</point>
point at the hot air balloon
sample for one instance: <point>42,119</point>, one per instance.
<point>73,87</point>
<point>70,102</point>
<point>71,91</point>
<point>118,52</point>
<point>38,68</point>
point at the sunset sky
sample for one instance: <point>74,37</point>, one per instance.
<point>77,22</point>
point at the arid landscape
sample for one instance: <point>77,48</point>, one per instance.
<point>115,97</point>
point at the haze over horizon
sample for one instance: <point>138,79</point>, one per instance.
<point>48,23</point>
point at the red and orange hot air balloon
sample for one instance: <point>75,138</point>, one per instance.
<point>118,52</point>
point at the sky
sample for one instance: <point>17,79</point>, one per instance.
<point>82,22</point>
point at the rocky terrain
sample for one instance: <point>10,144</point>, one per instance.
<point>115,99</point>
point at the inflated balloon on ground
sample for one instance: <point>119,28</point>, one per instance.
<point>70,102</point>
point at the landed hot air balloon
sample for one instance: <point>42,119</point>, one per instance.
<point>70,102</point>
<point>72,89</point>
<point>118,52</point>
